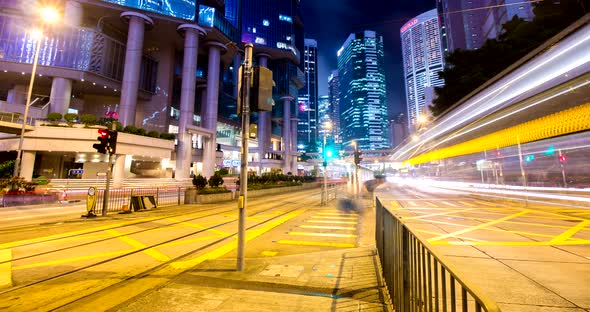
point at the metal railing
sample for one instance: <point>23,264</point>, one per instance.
<point>165,196</point>
<point>418,278</point>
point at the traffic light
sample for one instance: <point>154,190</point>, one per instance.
<point>261,95</point>
<point>562,159</point>
<point>357,157</point>
<point>529,158</point>
<point>108,141</point>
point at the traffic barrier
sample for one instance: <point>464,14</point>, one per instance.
<point>140,202</point>
<point>418,278</point>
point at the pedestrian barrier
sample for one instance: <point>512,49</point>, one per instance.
<point>141,202</point>
<point>157,196</point>
<point>418,278</point>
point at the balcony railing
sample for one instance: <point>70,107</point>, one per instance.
<point>73,48</point>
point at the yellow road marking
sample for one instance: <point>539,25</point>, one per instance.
<point>334,218</point>
<point>479,226</point>
<point>530,243</point>
<point>461,237</point>
<point>321,234</point>
<point>268,253</point>
<point>333,222</point>
<point>328,227</point>
<point>450,204</point>
<point>5,268</point>
<point>561,216</point>
<point>150,252</point>
<point>69,260</point>
<point>486,204</point>
<point>571,232</point>
<point>324,244</point>
<point>412,203</point>
<point>529,223</point>
<point>250,234</point>
<point>64,235</point>
<point>395,205</point>
<point>440,214</point>
<point>337,214</point>
<point>466,204</point>
<point>431,204</point>
<point>198,226</point>
<point>188,241</point>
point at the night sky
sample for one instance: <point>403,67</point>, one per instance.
<point>331,21</point>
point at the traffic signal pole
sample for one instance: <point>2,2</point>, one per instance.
<point>242,201</point>
<point>105,199</point>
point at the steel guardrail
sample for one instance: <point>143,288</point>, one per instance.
<point>416,275</point>
<point>119,198</point>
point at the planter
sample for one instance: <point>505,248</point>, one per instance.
<point>191,197</point>
<point>28,199</point>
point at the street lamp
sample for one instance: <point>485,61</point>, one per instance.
<point>327,127</point>
<point>48,15</point>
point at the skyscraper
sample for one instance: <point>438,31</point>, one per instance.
<point>423,60</point>
<point>500,12</point>
<point>363,108</point>
<point>334,110</point>
<point>307,130</point>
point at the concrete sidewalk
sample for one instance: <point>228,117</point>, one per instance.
<point>337,280</point>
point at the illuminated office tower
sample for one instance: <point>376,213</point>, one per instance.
<point>500,12</point>
<point>423,60</point>
<point>363,108</point>
<point>334,110</point>
<point>307,130</point>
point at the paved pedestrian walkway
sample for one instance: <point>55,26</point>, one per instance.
<point>338,280</point>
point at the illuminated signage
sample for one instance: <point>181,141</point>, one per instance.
<point>409,24</point>
<point>175,8</point>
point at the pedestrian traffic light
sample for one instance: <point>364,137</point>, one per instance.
<point>108,141</point>
<point>529,158</point>
<point>261,95</point>
<point>357,157</point>
<point>562,159</point>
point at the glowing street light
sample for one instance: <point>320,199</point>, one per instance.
<point>48,15</point>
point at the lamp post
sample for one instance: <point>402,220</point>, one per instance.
<point>48,16</point>
<point>327,127</point>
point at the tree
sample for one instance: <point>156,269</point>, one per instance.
<point>467,70</point>
<point>199,182</point>
<point>216,180</point>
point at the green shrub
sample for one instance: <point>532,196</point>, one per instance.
<point>70,118</point>
<point>167,136</point>
<point>153,134</point>
<point>42,180</point>
<point>223,171</point>
<point>130,129</point>
<point>6,169</point>
<point>199,182</point>
<point>88,119</point>
<point>54,116</point>
<point>216,180</point>
<point>140,131</point>
<point>213,190</point>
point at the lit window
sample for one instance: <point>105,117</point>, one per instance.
<point>265,22</point>
<point>254,29</point>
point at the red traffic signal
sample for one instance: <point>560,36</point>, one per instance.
<point>562,159</point>
<point>107,141</point>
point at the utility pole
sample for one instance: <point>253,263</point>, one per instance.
<point>245,110</point>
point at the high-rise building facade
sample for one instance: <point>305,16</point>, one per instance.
<point>423,59</point>
<point>324,118</point>
<point>334,110</point>
<point>467,24</point>
<point>363,108</point>
<point>307,130</point>
<point>398,129</point>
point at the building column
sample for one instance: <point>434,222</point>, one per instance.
<point>119,171</point>
<point>133,54</point>
<point>27,165</point>
<point>209,108</point>
<point>17,95</point>
<point>187,98</point>
<point>293,155</point>
<point>264,122</point>
<point>73,13</point>
<point>287,132</point>
<point>60,96</point>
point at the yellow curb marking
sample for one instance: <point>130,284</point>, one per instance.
<point>332,222</point>
<point>57,262</point>
<point>440,213</point>
<point>64,235</point>
<point>328,227</point>
<point>198,226</point>
<point>479,226</point>
<point>321,234</point>
<point>5,268</point>
<point>571,232</point>
<point>150,252</point>
<point>324,244</point>
<point>250,234</point>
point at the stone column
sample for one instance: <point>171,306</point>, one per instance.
<point>187,98</point>
<point>61,94</point>
<point>264,122</point>
<point>119,171</point>
<point>27,165</point>
<point>133,56</point>
<point>286,132</point>
<point>209,108</point>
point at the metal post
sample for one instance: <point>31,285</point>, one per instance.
<point>325,188</point>
<point>178,202</point>
<point>17,162</point>
<point>242,202</point>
